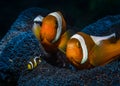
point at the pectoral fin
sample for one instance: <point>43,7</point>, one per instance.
<point>36,30</point>
<point>64,39</point>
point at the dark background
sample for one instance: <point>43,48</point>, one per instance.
<point>81,12</point>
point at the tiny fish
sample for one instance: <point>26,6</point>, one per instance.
<point>33,63</point>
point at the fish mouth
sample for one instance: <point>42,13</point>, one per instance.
<point>83,47</point>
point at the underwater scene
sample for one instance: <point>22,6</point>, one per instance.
<point>60,43</point>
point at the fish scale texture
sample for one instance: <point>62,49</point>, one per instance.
<point>19,45</point>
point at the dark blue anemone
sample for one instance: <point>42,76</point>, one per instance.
<point>19,45</point>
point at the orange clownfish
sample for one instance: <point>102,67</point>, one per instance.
<point>51,33</point>
<point>86,51</point>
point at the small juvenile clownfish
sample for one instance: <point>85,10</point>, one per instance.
<point>33,63</point>
<point>49,33</point>
<point>86,51</point>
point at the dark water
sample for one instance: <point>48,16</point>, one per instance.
<point>81,12</point>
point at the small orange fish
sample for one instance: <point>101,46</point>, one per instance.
<point>86,51</point>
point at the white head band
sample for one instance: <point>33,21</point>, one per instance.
<point>59,29</point>
<point>83,45</point>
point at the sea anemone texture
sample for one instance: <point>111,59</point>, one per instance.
<point>19,45</point>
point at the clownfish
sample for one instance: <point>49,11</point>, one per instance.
<point>87,51</point>
<point>34,63</point>
<point>52,32</point>
<point>53,26</point>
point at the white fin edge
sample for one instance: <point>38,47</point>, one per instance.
<point>98,39</point>
<point>39,18</point>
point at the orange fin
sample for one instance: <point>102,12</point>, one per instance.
<point>64,39</point>
<point>36,30</point>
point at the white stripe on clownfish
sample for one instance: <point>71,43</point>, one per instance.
<point>39,18</point>
<point>31,64</point>
<point>59,29</point>
<point>35,63</point>
<point>98,39</point>
<point>83,45</point>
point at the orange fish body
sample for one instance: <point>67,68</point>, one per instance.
<point>106,52</point>
<point>85,51</point>
<point>52,28</point>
